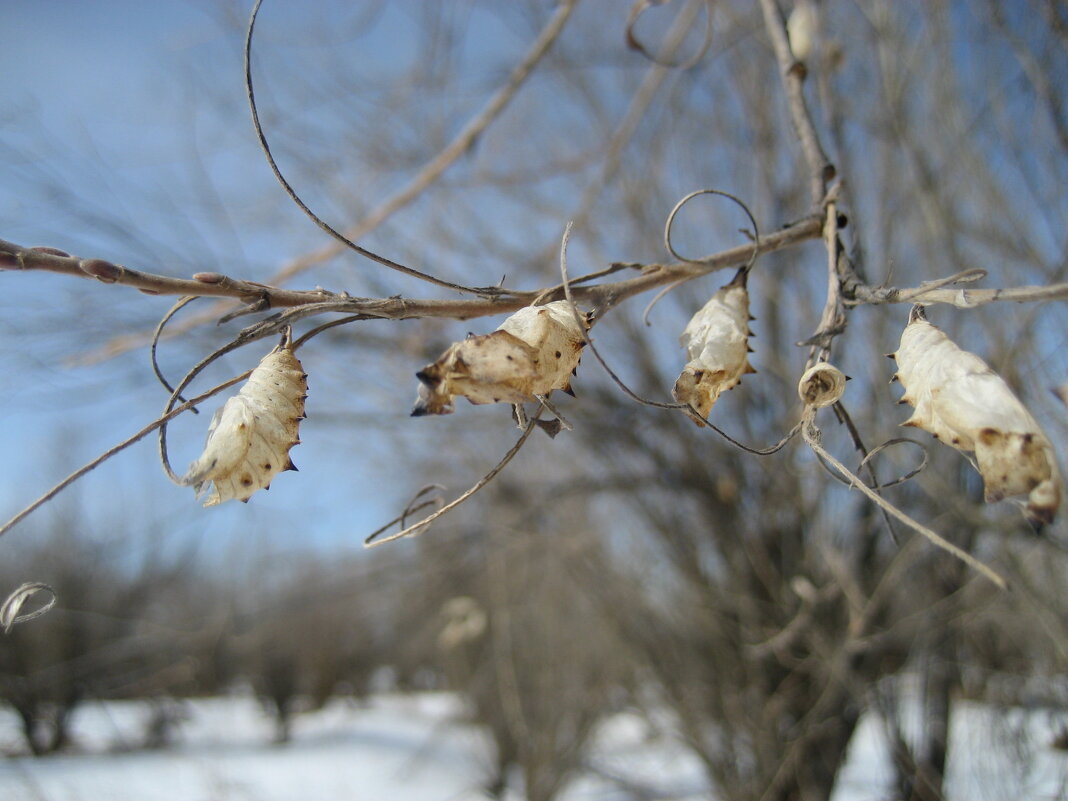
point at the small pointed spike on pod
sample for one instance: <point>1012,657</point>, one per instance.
<point>51,252</point>
<point>569,390</point>
<point>209,278</point>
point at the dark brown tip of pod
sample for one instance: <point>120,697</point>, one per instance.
<point>741,278</point>
<point>428,378</point>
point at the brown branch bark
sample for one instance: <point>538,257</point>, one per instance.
<point>600,297</point>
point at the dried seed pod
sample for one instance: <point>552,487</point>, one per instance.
<point>250,436</point>
<point>533,352</point>
<point>801,29</point>
<point>964,403</point>
<point>717,344</point>
<point>821,385</point>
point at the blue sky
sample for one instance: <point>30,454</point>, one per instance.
<point>105,86</point>
<point>131,109</point>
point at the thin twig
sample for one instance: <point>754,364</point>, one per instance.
<point>821,171</point>
<point>811,436</point>
<point>144,432</point>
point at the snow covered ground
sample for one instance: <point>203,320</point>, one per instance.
<point>407,748</point>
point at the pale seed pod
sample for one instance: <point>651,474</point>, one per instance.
<point>801,29</point>
<point>533,352</point>
<point>717,346</point>
<point>822,385</point>
<point>960,400</point>
<point>250,437</point>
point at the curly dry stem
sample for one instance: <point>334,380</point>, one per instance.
<point>10,609</point>
<point>292,193</point>
<point>422,525</point>
<point>678,207</point>
<point>182,302</point>
<point>430,172</point>
<point>811,434</point>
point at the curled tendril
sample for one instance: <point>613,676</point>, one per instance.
<point>292,193</point>
<point>9,610</point>
<point>182,302</point>
<point>678,207</point>
<point>640,7</point>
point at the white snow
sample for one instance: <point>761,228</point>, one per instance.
<point>411,748</point>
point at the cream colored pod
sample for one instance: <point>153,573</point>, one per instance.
<point>963,403</point>
<point>717,345</point>
<point>533,352</point>
<point>250,436</point>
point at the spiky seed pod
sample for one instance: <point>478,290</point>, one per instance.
<point>250,436</point>
<point>821,385</point>
<point>964,403</point>
<point>533,352</point>
<point>717,346</point>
